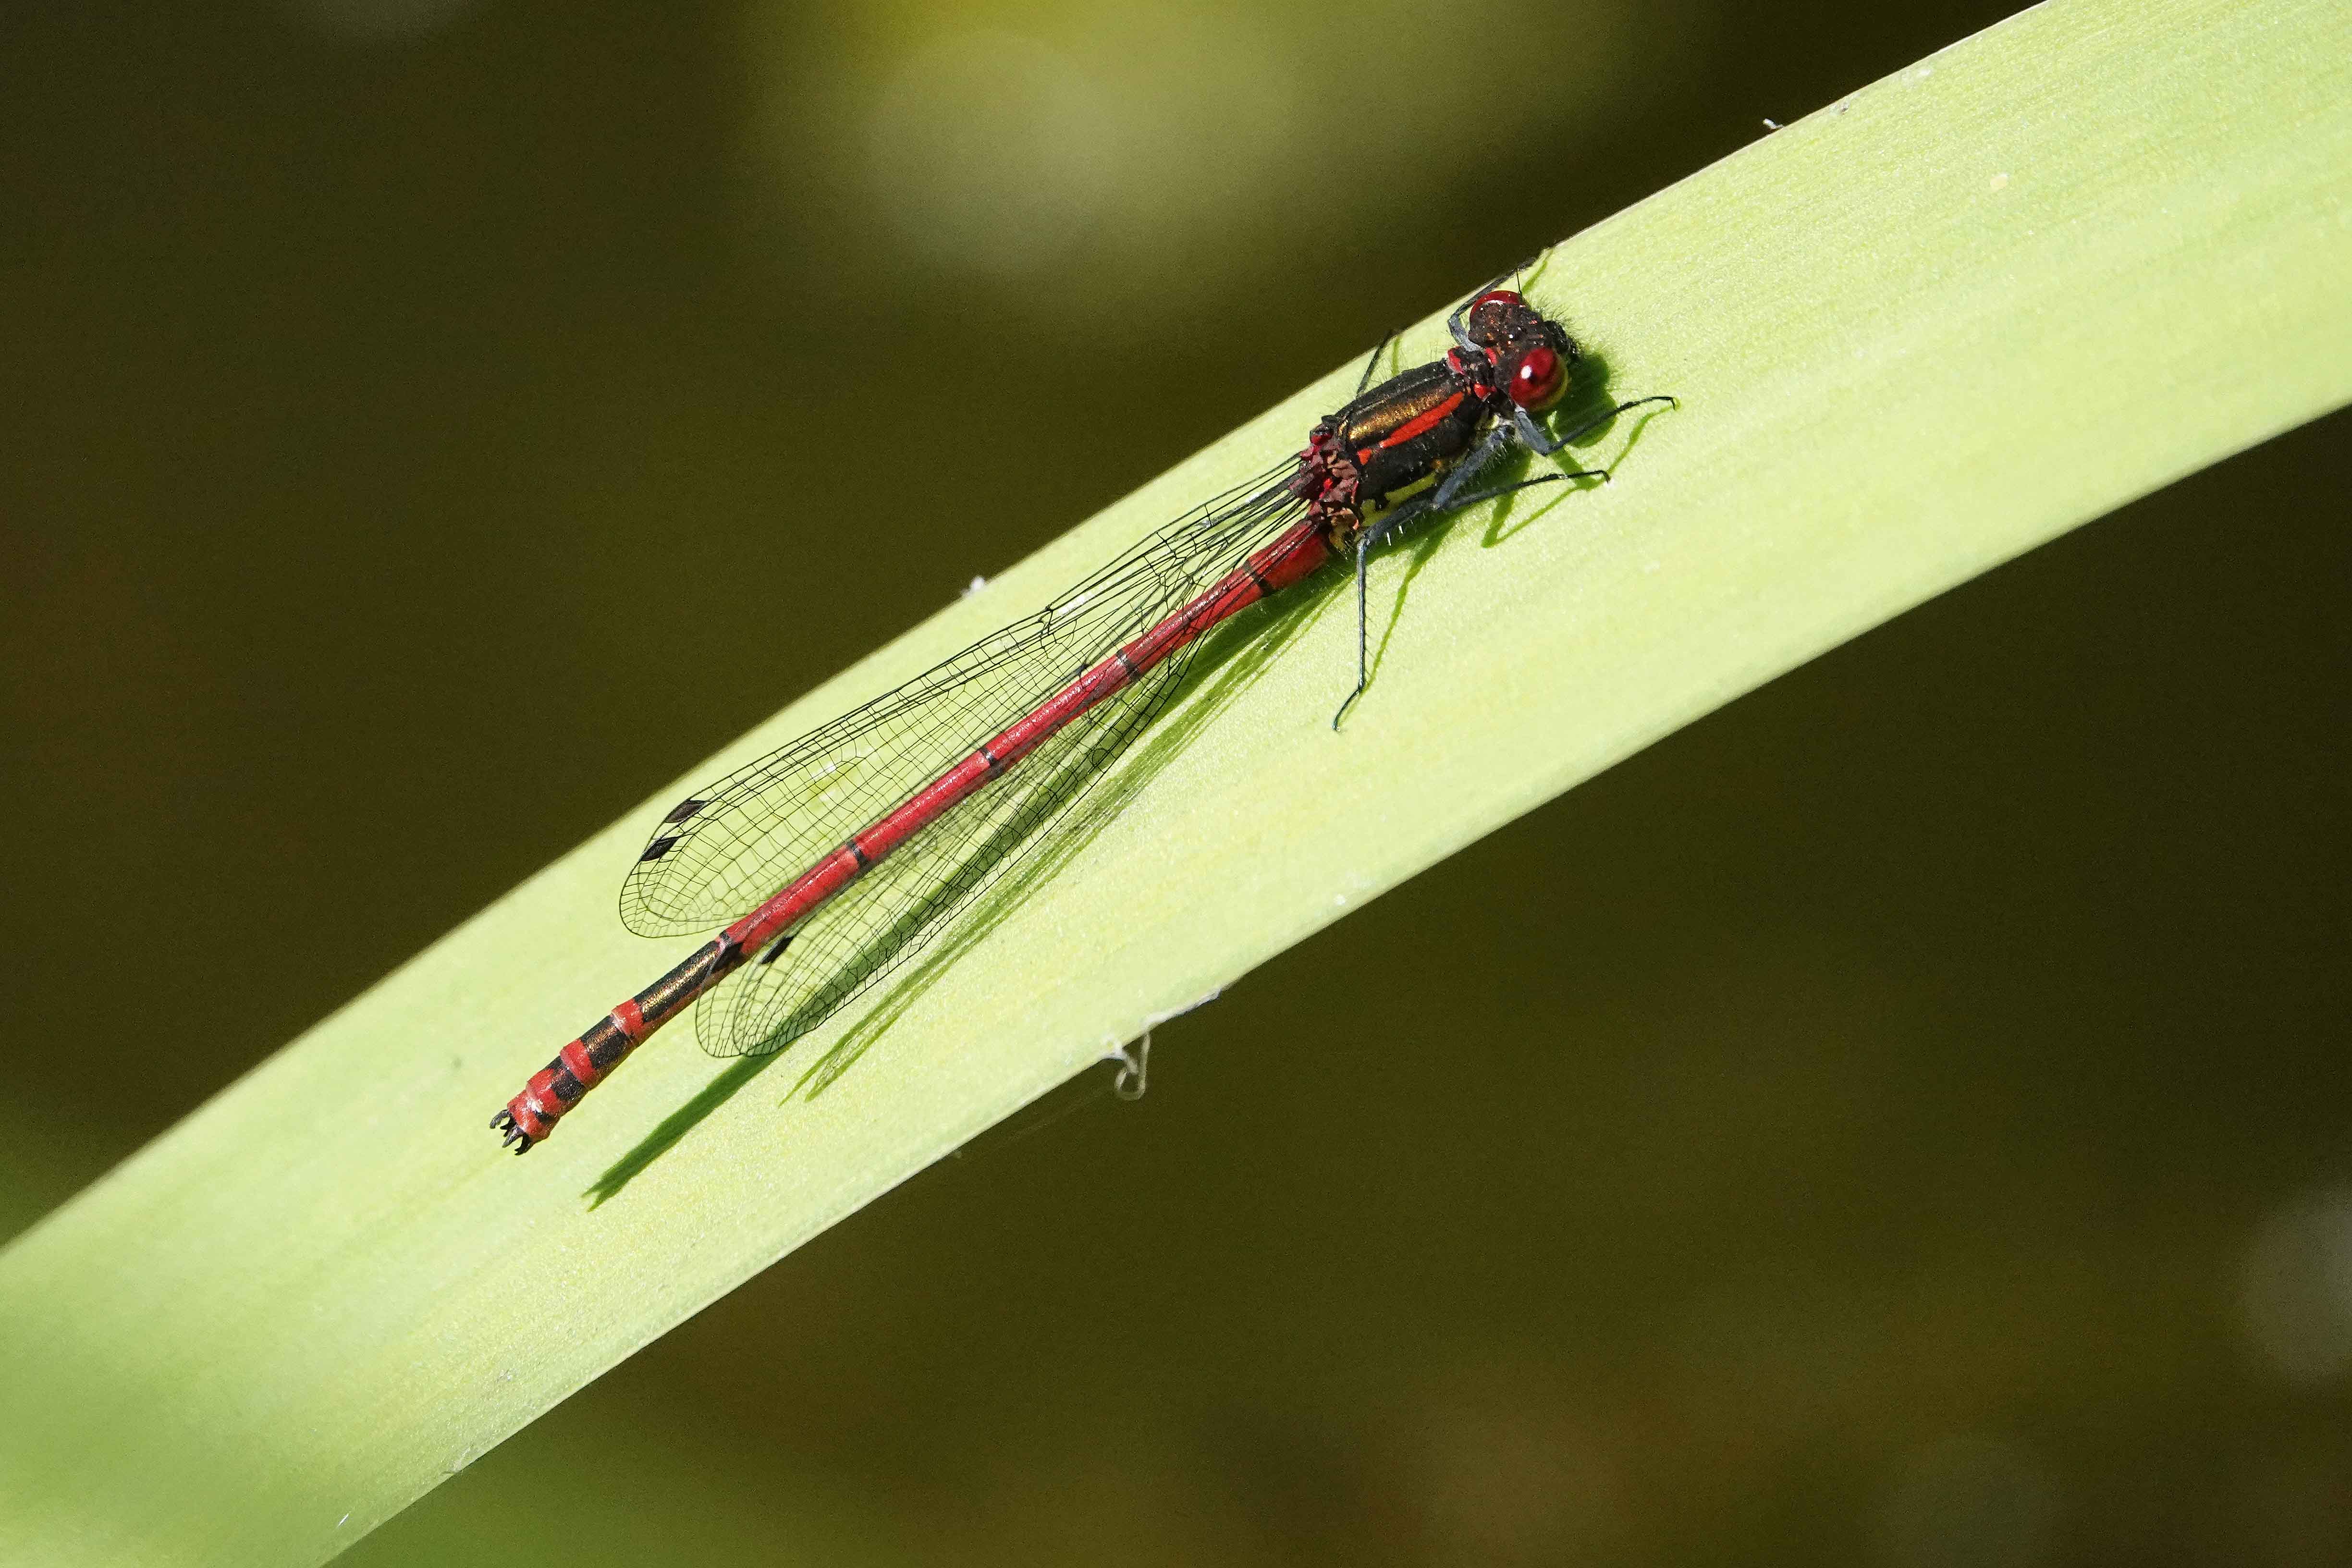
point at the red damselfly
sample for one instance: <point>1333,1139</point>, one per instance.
<point>852,846</point>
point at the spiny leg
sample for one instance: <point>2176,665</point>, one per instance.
<point>1453,496</point>
<point>1474,497</point>
<point>1373,534</point>
<point>1490,447</point>
<point>1373,363</point>
<point>1532,432</point>
<point>1447,496</point>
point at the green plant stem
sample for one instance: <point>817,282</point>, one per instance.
<point>1957,314</point>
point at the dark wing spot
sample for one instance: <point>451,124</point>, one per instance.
<point>776,950</point>
<point>681,811</point>
<point>658,847</point>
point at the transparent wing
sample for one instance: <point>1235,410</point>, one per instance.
<point>892,912</point>
<point>724,848</point>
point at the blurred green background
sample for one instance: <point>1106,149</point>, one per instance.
<point>1900,1119</point>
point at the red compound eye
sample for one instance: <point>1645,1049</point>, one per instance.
<point>1540,380</point>
<point>1496,296</point>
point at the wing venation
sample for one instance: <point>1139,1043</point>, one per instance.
<point>731,845</point>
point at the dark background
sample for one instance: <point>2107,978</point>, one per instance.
<point>1898,1120</point>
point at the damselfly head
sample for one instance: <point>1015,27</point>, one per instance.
<point>1529,351</point>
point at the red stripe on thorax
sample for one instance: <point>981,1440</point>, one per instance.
<point>1424,423</point>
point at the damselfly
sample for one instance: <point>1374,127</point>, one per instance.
<point>830,862</point>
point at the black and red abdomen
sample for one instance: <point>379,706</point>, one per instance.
<point>581,1065</point>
